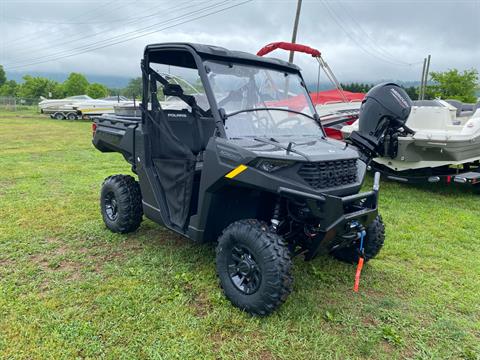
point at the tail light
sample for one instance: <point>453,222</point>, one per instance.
<point>94,128</point>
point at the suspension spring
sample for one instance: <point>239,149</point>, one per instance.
<point>278,213</point>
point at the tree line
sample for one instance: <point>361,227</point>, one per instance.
<point>450,84</point>
<point>33,87</point>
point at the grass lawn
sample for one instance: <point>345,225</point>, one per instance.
<point>69,288</point>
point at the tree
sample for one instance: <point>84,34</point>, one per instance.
<point>357,87</point>
<point>452,84</point>
<point>9,88</point>
<point>134,88</point>
<point>412,92</point>
<point>58,91</point>
<point>76,84</point>
<point>3,77</point>
<point>34,87</point>
<point>97,91</point>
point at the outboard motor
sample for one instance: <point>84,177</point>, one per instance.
<point>384,110</point>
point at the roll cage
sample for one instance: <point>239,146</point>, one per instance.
<point>192,56</point>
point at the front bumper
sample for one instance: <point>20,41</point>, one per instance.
<point>337,215</point>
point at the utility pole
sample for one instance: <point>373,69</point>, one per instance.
<point>420,89</point>
<point>295,28</point>
<point>426,77</point>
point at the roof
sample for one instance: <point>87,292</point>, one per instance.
<point>221,53</point>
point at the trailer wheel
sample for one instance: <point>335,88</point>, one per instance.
<point>254,267</point>
<point>72,116</point>
<point>121,203</point>
<point>59,116</point>
<point>373,244</point>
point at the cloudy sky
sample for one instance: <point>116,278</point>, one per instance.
<point>361,40</point>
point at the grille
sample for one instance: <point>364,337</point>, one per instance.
<point>329,174</point>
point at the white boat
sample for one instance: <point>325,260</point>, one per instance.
<point>80,106</point>
<point>87,109</point>
<point>61,108</point>
<point>444,136</point>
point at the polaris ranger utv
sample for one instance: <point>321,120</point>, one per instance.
<point>229,164</point>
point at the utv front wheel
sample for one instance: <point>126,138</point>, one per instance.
<point>373,243</point>
<point>121,203</point>
<point>254,267</point>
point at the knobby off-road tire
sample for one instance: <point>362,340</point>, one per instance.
<point>254,267</point>
<point>373,242</point>
<point>121,203</point>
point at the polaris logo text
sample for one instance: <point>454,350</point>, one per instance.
<point>177,115</point>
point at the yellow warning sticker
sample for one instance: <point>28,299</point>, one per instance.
<point>239,169</point>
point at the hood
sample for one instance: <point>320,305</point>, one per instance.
<point>302,148</point>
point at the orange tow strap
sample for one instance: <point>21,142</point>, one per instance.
<point>361,250</point>
<point>357,275</point>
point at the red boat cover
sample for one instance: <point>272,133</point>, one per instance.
<point>318,98</point>
<point>288,46</point>
<point>323,97</point>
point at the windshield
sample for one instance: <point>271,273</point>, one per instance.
<point>238,87</point>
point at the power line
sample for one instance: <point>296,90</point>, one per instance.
<point>378,48</point>
<point>52,22</point>
<point>338,22</point>
<point>95,43</point>
<point>138,36</point>
<point>28,37</point>
<point>92,35</point>
<point>62,35</point>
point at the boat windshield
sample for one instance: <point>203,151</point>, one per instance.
<point>283,106</point>
<point>79,97</point>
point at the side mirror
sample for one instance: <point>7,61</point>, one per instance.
<point>172,90</point>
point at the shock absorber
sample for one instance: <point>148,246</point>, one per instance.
<point>278,213</point>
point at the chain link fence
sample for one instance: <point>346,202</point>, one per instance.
<point>10,103</point>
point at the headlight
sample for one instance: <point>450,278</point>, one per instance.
<point>271,165</point>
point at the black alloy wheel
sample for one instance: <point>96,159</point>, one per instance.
<point>244,270</point>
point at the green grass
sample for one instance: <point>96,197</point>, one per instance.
<point>69,288</point>
<point>21,111</point>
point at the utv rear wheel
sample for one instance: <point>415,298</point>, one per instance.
<point>373,243</point>
<point>121,203</point>
<point>254,267</point>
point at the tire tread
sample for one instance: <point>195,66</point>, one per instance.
<point>129,197</point>
<point>274,250</point>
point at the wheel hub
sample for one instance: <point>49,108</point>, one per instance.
<point>111,206</point>
<point>244,271</point>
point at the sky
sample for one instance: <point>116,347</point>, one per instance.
<point>361,40</point>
